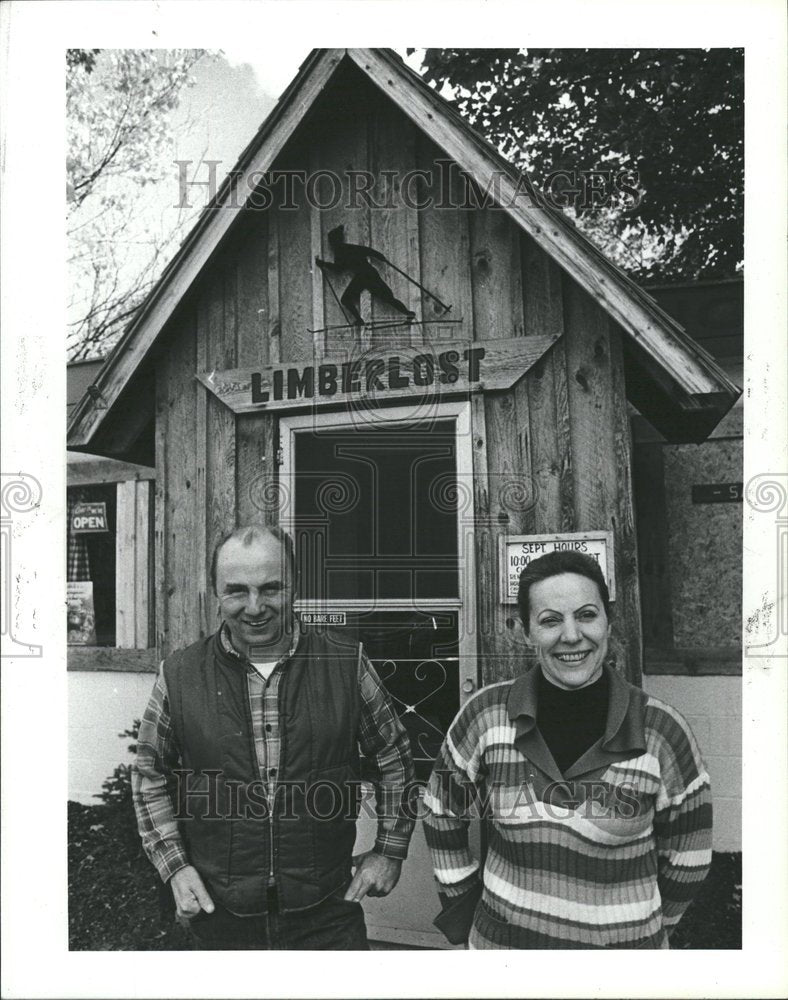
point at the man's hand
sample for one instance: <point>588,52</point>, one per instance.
<point>190,894</point>
<point>375,876</point>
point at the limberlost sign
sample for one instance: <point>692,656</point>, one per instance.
<point>378,375</point>
<point>517,551</point>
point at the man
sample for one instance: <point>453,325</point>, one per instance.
<point>247,774</point>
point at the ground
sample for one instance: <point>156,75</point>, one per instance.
<point>116,902</point>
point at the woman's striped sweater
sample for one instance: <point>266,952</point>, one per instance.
<point>607,855</point>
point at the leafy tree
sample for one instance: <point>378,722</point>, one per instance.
<point>119,106</point>
<point>676,116</point>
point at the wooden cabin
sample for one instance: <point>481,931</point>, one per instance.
<point>420,460</point>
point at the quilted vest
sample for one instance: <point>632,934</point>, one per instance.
<point>302,842</point>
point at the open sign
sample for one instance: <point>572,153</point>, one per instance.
<point>89,518</point>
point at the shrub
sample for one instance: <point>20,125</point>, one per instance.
<point>116,790</point>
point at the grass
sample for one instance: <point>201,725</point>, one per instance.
<point>117,902</point>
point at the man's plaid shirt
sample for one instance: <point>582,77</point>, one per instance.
<point>382,740</point>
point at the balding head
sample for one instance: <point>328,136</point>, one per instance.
<point>246,535</point>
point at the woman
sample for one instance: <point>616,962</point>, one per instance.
<point>596,799</point>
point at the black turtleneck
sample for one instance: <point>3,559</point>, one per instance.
<point>571,721</point>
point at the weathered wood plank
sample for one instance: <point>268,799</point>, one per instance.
<point>444,247</point>
<point>142,565</point>
<point>395,230</point>
<point>495,274</point>
<point>229,300</point>
<point>295,267</point>
<point>183,517</point>
<point>255,470</point>
<point>484,545</point>
<point>220,466</point>
<point>125,550</point>
<point>566,481</point>
<point>629,605</point>
<point>341,150</point>
<point>498,312</point>
<point>95,658</point>
<point>161,494</point>
<point>201,491</point>
<point>220,452</point>
<point>509,461</point>
<point>499,367</point>
<point>589,383</point>
<point>510,499</point>
<point>546,393</point>
<point>83,471</point>
<point>600,462</point>
<point>502,648</point>
<point>251,264</point>
<point>318,315</point>
<point>273,318</point>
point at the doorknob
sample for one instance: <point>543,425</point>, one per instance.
<point>468,686</point>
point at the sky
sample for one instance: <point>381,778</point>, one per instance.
<point>233,91</point>
<point>273,67</point>
<point>276,66</point>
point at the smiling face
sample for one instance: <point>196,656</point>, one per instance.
<point>569,628</point>
<point>255,589</point>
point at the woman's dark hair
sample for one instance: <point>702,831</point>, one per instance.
<point>554,564</point>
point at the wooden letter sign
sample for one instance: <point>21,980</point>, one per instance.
<point>374,376</point>
<point>516,551</point>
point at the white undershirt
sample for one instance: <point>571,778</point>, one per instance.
<point>265,669</point>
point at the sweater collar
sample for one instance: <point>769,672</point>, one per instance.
<point>624,734</point>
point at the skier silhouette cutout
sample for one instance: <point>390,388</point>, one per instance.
<point>354,257</point>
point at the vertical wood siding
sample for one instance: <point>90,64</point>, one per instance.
<point>132,565</point>
<point>601,455</point>
<point>551,455</point>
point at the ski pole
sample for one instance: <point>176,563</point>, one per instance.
<point>418,285</point>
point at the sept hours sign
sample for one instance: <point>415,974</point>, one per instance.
<point>517,551</point>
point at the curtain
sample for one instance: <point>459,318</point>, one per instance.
<point>78,560</point>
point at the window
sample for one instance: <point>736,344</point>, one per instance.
<point>109,571</point>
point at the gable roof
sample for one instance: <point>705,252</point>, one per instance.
<point>658,348</point>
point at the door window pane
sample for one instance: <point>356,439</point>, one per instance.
<point>376,514</point>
